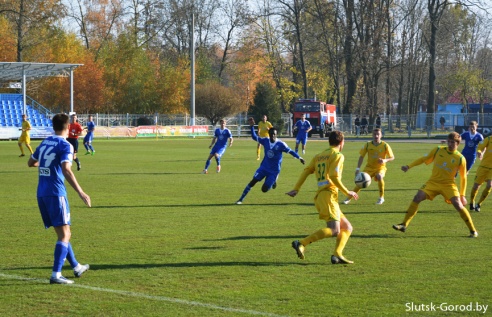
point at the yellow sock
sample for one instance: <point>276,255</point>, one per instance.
<point>30,148</point>
<point>381,187</point>
<point>258,152</point>
<point>318,235</point>
<point>342,239</point>
<point>485,193</point>
<point>411,212</point>
<point>473,194</point>
<point>465,215</point>
<point>22,149</point>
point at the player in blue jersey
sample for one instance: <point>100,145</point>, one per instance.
<point>271,163</point>
<point>303,127</point>
<point>471,139</point>
<point>91,127</point>
<point>218,145</point>
<point>53,157</point>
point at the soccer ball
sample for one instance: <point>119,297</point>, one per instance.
<point>362,180</point>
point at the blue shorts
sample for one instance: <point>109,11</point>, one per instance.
<point>55,211</point>
<point>470,159</point>
<point>271,178</point>
<point>301,139</point>
<point>88,138</point>
<point>219,150</point>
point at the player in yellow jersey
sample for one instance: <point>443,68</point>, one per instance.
<point>484,173</point>
<point>327,167</point>
<point>263,127</point>
<point>378,154</point>
<point>24,137</point>
<point>447,162</point>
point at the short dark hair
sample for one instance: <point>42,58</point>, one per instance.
<point>60,122</point>
<point>272,129</point>
<point>454,136</point>
<point>335,138</point>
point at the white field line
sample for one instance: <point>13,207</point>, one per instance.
<point>151,297</point>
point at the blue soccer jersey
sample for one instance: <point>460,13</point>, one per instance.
<point>221,140</point>
<point>471,143</point>
<point>91,126</point>
<point>272,161</point>
<point>50,154</point>
<point>302,128</point>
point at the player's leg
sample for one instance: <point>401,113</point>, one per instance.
<point>270,181</point>
<point>380,180</point>
<point>28,145</point>
<point>259,175</point>
<point>21,148</point>
<point>78,269</point>
<point>342,238</point>
<point>411,211</point>
<point>297,143</point>
<point>464,214</point>
<point>485,194</point>
<point>86,145</point>
<point>258,151</point>
<point>481,176</point>
<point>304,141</point>
<point>207,163</point>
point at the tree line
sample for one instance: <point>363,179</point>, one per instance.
<point>367,57</point>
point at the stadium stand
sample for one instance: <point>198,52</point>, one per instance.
<point>11,110</point>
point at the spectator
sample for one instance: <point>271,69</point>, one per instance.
<point>357,125</point>
<point>364,124</point>
<point>442,121</point>
<point>378,122</point>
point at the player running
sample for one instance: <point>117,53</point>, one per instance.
<point>271,163</point>
<point>447,162</point>
<point>378,154</point>
<point>24,137</point>
<point>303,127</point>
<point>91,127</point>
<point>221,135</point>
<point>327,167</point>
<point>471,139</point>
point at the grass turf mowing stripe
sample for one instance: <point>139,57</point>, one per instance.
<point>152,297</point>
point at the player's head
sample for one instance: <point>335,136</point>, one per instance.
<point>264,118</point>
<point>222,123</point>
<point>454,140</point>
<point>272,133</point>
<point>73,118</point>
<point>303,116</point>
<point>473,126</point>
<point>60,122</point>
<point>377,134</point>
<point>24,117</point>
<point>336,138</point>
<point>90,117</point>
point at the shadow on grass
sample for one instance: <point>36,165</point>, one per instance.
<point>202,205</point>
<point>255,238</point>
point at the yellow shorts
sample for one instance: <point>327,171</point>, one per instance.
<point>24,139</point>
<point>326,202</point>
<point>483,174</point>
<point>374,171</point>
<point>432,189</point>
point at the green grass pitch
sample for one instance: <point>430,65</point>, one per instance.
<point>164,240</point>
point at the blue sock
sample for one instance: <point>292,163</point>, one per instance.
<point>71,256</point>
<point>217,159</point>
<point>86,147</point>
<point>61,250</point>
<point>245,192</point>
<point>90,146</point>
<point>207,164</point>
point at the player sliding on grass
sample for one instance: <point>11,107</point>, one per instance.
<point>327,167</point>
<point>447,162</point>
<point>220,140</point>
<point>378,154</point>
<point>53,157</point>
<point>272,160</point>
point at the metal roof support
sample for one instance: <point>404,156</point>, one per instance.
<point>71,89</point>
<point>24,110</point>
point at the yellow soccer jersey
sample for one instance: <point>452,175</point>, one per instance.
<point>263,128</point>
<point>486,147</point>
<point>26,126</point>
<point>327,167</point>
<point>446,165</point>
<point>374,153</point>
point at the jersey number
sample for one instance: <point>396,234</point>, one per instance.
<point>321,172</point>
<point>46,156</point>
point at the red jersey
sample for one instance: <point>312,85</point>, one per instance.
<point>74,130</point>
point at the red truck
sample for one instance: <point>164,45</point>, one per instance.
<point>322,116</point>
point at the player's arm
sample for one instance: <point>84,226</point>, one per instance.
<point>359,164</point>
<point>254,136</point>
<point>70,177</point>
<point>335,175</point>
<point>32,162</point>
<point>463,179</point>
<point>388,157</point>
<point>213,142</point>
<point>309,128</point>
<point>427,159</point>
<point>481,148</point>
<point>294,154</point>
<point>230,141</point>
